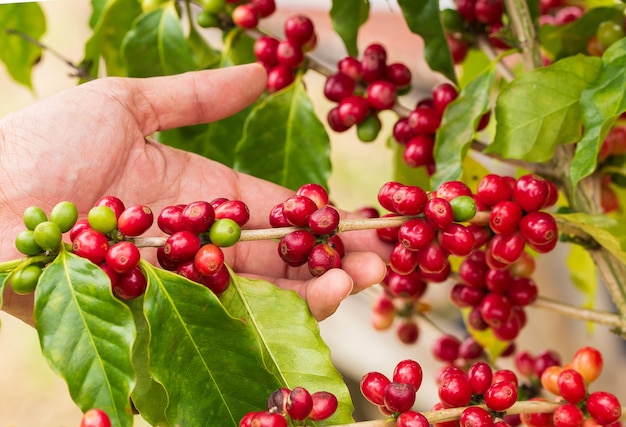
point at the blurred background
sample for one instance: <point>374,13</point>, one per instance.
<point>32,395</point>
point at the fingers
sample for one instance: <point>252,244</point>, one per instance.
<point>167,102</point>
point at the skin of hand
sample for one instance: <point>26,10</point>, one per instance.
<point>93,140</point>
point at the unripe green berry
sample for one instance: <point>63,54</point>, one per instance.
<point>368,129</point>
<point>207,19</point>
<point>102,219</point>
<point>48,235</point>
<point>25,243</point>
<point>213,6</point>
<point>24,281</point>
<point>224,232</point>
<point>463,207</point>
<point>33,215</point>
<point>65,215</point>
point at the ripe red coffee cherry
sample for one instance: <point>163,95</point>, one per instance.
<point>268,419</point>
<point>294,248</point>
<point>381,94</point>
<point>531,192</point>
<point>209,259</point>
<point>264,7</point>
<point>188,269</point>
<point>402,132</point>
<point>415,234</point>
<point>480,375</point>
<point>334,122</point>
<point>315,192</point>
<point>130,285</point>
<point>450,190</point>
<point>455,390</point>
<point>276,217</point>
<point>122,257</point>
<point>373,63</point>
<point>324,405</point>
<point>418,151</point>
<point>398,74</point>
<point>265,50</point>
<point>298,29</point>
<point>498,281</point>
<point>233,209</point>
<point>568,415</point>
<point>501,395</point>
<point>432,259</point>
<point>571,385</point>
<point>170,220</point>
<point>408,285</point>
<point>373,386</point>
<point>386,192</point>
<point>493,189</point>
<point>409,372</point>
<point>113,202</point>
<point>289,53</point>
<point>279,77</point>
<point>338,86</point>
<point>402,260</point>
<point>505,217</point>
<point>495,309</point>
<point>488,11</point>
<point>198,216</point>
<point>351,67</point>
<point>219,281</point>
<point>165,261</point>
<point>439,212</point>
<point>522,291</point>
<point>245,16</point>
<point>412,419</point>
<point>409,200</point>
<point>353,110</point>
<point>446,348</point>
<point>399,397</point>
<point>539,229</point>
<point>442,95</point>
<point>408,331</point>
<point>299,403</point>
<point>324,220</point>
<point>507,248</point>
<point>181,245</point>
<point>424,120</point>
<point>322,258</point>
<point>604,407</point>
<point>466,296</point>
<point>475,416</point>
<point>135,220</point>
<point>95,418</point>
<point>457,240</point>
<point>297,209</point>
<point>588,362</point>
<point>91,244</point>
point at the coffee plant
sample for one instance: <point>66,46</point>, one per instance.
<point>535,85</point>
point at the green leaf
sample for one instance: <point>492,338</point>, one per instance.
<point>86,335</point>
<point>405,174</point>
<point>149,396</point>
<point>608,232</point>
<point>205,56</point>
<point>289,336</point>
<point>156,45</point>
<point>238,49</point>
<point>602,103</point>
<point>584,275</point>
<point>284,141</point>
<point>422,17</point>
<point>209,363</point>
<point>458,126</point>
<point>110,21</point>
<point>18,54</point>
<point>473,65</point>
<point>347,16</point>
<point>561,41</point>
<point>541,109</point>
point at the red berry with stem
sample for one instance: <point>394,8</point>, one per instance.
<point>265,48</point>
<point>198,216</point>
<point>604,407</point>
<point>165,261</point>
<point>571,386</point>
<point>388,234</point>
<point>324,405</point>
<point>457,240</point>
<point>433,258</point>
<point>209,259</point>
<point>500,396</point>
<point>399,397</point>
<point>489,11</point>
<point>236,210</point>
<point>123,257</point>
<point>80,226</point>
<point>505,217</point>
<point>315,192</point>
<point>545,359</point>
<point>298,29</point>
<point>475,416</point>
<point>170,220</point>
<point>439,212</point>
<point>522,291</point>
<point>507,248</point>
<point>471,349</point>
<point>408,285</point>
<point>588,362</point>
<point>337,244</point>
<point>466,296</point>
<point>424,120</point>
<point>289,53</point>
<point>299,403</point>
<point>450,190</point>
<point>539,228</point>
<point>568,415</point>
<point>398,74</point>
<point>338,86</point>
<point>334,122</point>
<point>130,285</point>
<point>351,67</point>
<point>268,419</point>
<point>455,390</point>
<point>402,132</point>
<point>418,151</point>
<point>324,220</point>
<point>91,244</point>
<point>188,269</point>
<point>276,217</point>
<point>409,200</point>
<point>495,309</point>
<point>373,386</point>
<point>113,202</point>
<point>412,419</point>
<point>279,77</point>
<point>480,375</point>
<point>245,16</point>
<point>402,260</point>
<point>264,7</point>
<point>217,282</point>
<point>505,375</point>
<point>446,348</point>
<point>386,192</point>
<point>322,258</point>
<point>381,94</point>
<point>498,281</point>
<point>297,209</point>
<point>415,234</point>
<point>135,220</point>
<point>493,189</point>
<point>353,110</point>
<point>408,331</point>
<point>408,371</point>
<point>531,192</point>
<point>181,245</point>
<point>443,94</point>
<point>373,63</point>
<point>95,418</point>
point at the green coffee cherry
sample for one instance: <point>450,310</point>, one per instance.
<point>33,215</point>
<point>102,219</point>
<point>224,232</point>
<point>25,243</point>
<point>65,215</point>
<point>464,208</point>
<point>24,281</point>
<point>48,235</point>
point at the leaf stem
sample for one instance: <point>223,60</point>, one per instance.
<point>524,29</point>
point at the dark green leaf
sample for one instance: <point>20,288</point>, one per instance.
<point>473,65</point>
<point>238,49</point>
<point>570,39</point>
<point>149,396</point>
<point>541,109</point>
<point>405,174</point>
<point>18,54</point>
<point>289,336</point>
<point>458,126</point>
<point>610,233</point>
<point>209,363</point>
<point>110,21</point>
<point>347,16</point>
<point>422,17</point>
<point>284,140</point>
<point>156,45</point>
<point>602,103</point>
<point>86,335</point>
<point>205,56</point>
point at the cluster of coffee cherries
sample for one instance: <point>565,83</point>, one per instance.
<point>558,12</point>
<point>292,405</point>
<point>396,396</point>
<point>315,242</point>
<point>570,383</point>
<point>95,418</point>
<point>281,58</point>
<point>362,88</point>
<point>243,14</point>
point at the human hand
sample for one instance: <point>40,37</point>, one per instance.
<point>92,140</point>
